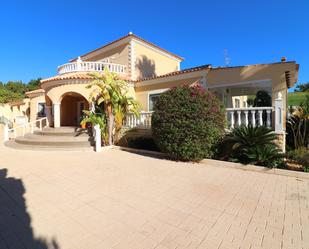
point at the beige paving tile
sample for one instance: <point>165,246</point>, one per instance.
<point>121,200</point>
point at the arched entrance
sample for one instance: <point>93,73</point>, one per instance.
<point>71,109</point>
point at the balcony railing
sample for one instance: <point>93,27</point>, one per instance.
<point>143,121</point>
<point>255,116</point>
<point>91,66</point>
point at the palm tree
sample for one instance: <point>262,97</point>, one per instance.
<point>254,145</point>
<point>298,124</point>
<point>109,89</point>
<point>124,106</point>
<point>250,136</point>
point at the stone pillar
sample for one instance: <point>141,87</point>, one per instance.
<point>56,107</point>
<point>279,128</point>
<point>279,113</point>
<point>48,110</point>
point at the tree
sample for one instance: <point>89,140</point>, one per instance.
<point>33,84</point>
<point>9,96</point>
<point>16,87</point>
<point>302,87</point>
<point>262,98</point>
<point>15,90</point>
<point>109,89</point>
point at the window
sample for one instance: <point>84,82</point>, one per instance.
<point>41,110</point>
<point>153,98</point>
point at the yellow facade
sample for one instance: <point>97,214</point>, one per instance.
<point>150,62</point>
<point>151,70</point>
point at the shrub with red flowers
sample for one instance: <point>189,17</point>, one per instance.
<point>188,122</point>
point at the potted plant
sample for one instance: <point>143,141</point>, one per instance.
<point>82,122</point>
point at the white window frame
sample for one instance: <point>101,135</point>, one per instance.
<point>155,92</point>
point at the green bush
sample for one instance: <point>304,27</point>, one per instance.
<point>143,143</point>
<point>298,125</point>
<point>300,156</point>
<point>254,145</point>
<point>187,122</point>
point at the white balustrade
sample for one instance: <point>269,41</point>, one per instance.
<point>141,121</point>
<point>236,117</point>
<point>91,66</point>
<point>251,115</point>
<point>25,128</point>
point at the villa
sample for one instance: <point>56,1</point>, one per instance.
<point>150,70</point>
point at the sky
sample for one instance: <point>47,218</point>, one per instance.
<point>36,36</point>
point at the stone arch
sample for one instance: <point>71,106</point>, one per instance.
<point>58,89</point>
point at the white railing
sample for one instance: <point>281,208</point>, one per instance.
<point>271,117</point>
<point>91,66</point>
<point>141,121</point>
<point>22,130</point>
<point>255,116</point>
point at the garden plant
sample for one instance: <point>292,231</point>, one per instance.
<point>187,123</point>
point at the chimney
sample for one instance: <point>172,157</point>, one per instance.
<point>283,59</point>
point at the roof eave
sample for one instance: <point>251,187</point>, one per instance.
<point>129,37</point>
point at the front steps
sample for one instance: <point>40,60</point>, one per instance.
<point>63,138</point>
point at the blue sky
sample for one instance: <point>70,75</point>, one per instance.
<point>37,36</point>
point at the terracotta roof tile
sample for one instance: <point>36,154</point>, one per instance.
<point>35,91</point>
<point>70,76</point>
<point>133,36</point>
<point>188,70</point>
<point>16,103</point>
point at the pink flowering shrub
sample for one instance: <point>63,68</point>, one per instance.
<point>188,122</point>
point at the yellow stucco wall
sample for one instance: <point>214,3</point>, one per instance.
<point>11,112</point>
<point>274,72</point>
<point>149,62</point>
<point>142,92</point>
<point>34,106</point>
<point>118,55</point>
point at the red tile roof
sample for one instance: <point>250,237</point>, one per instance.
<point>136,37</point>
<point>35,91</point>
<point>69,76</point>
<point>187,70</point>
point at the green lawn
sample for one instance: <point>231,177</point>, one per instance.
<point>296,98</point>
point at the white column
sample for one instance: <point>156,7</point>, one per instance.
<point>268,122</point>
<point>253,118</point>
<point>48,111</point>
<point>56,107</point>
<point>232,119</point>
<point>278,113</point>
<point>5,132</point>
<point>246,118</point>
<point>260,117</point>
<point>97,137</point>
<point>239,118</point>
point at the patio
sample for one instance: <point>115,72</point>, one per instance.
<point>116,199</point>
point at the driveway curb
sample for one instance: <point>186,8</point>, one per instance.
<point>254,168</point>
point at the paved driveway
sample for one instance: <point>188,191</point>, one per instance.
<point>116,199</point>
